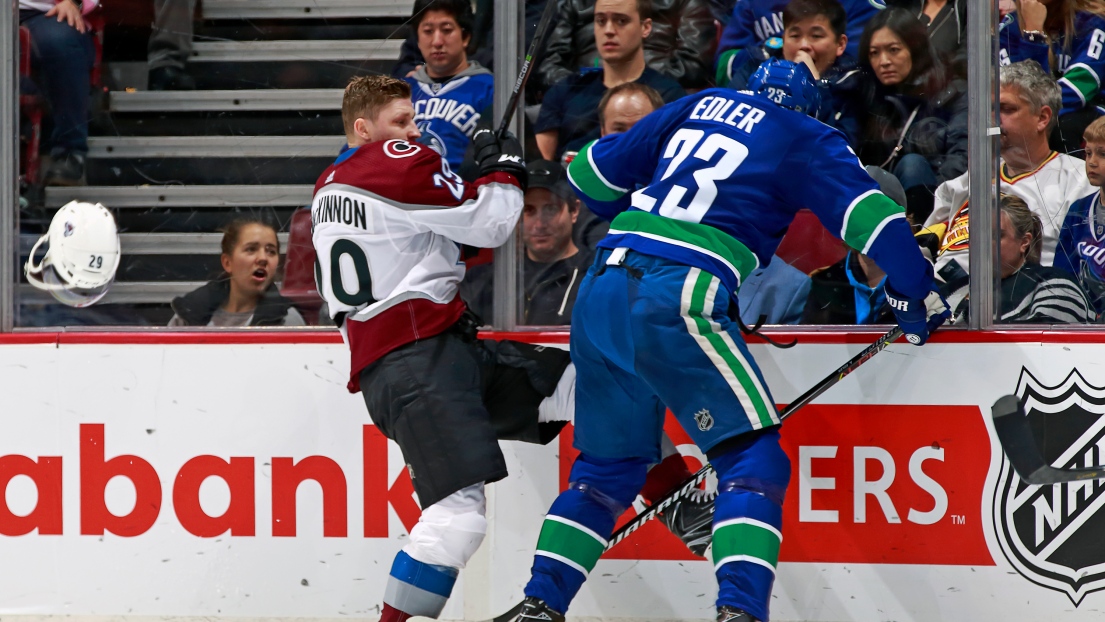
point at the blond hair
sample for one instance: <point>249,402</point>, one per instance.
<point>1095,132</point>
<point>366,96</point>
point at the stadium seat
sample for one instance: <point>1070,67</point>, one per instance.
<point>808,245</point>
<point>299,267</point>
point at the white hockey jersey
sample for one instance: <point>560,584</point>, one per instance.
<point>386,221</point>
<point>1049,191</point>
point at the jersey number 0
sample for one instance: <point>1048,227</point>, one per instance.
<point>363,296</point>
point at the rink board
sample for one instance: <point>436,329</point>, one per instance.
<point>151,477</point>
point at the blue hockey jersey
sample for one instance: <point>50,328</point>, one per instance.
<point>714,180</point>
<point>1081,247</point>
<point>447,113</point>
<point>1078,62</point>
<point>754,22</point>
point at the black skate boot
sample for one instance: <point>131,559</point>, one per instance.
<point>692,519</point>
<point>535,610</point>
<point>725,613</point>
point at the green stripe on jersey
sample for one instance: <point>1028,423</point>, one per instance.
<point>724,354</point>
<point>724,73</point>
<point>586,176</point>
<point>695,236</point>
<point>745,539</point>
<point>1082,79</point>
<point>866,217</point>
<point>570,542</point>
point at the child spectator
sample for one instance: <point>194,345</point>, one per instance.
<point>1081,250</point>
<point>760,23</point>
<point>946,21</point>
<point>568,118</point>
<point>62,55</point>
<point>1047,181</point>
<point>1066,38</point>
<point>679,45</point>
<point>450,93</point>
<point>554,265</point>
<point>1031,293</point>
<point>246,294</point>
<point>813,33</point>
<point>916,125</point>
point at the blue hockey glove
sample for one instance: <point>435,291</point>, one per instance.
<point>917,317</point>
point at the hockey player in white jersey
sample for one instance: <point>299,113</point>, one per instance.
<point>1049,182</point>
<point>387,217</point>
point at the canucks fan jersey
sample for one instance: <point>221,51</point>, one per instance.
<point>760,22</point>
<point>1081,250</point>
<point>447,113</point>
<point>1078,63</point>
<point>714,180</point>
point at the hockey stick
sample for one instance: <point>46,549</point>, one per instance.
<point>544,28</point>
<point>1015,437</point>
<point>692,483</point>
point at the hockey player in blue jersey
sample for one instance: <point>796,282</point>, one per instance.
<point>700,193</point>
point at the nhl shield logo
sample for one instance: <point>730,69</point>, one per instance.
<point>1052,534</point>
<point>704,419</point>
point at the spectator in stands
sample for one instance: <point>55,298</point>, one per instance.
<point>450,92</point>
<point>813,33</point>
<point>758,23</point>
<point>851,290</point>
<point>568,118</point>
<point>246,294</point>
<point>1065,37</point>
<point>946,21</point>
<point>481,47</point>
<point>170,45</point>
<point>1047,181</point>
<point>678,39</point>
<point>62,55</point>
<point>1031,293</point>
<point>1081,249</point>
<point>554,265</point>
<point>916,124</point>
<point>619,109</point>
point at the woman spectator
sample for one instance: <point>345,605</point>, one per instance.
<point>946,21</point>
<point>916,126</point>
<point>1066,37</point>
<point>1031,293</point>
<point>246,294</point>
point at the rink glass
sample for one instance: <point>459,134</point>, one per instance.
<point>175,167</point>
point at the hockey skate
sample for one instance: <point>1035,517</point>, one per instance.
<point>692,519</point>
<point>725,613</point>
<point>535,610</point>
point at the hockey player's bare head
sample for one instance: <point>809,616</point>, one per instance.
<point>378,108</point>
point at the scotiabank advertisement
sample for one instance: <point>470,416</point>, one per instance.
<point>187,479</point>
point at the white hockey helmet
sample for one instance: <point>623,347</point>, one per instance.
<point>82,254</point>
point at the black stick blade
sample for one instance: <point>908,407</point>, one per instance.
<point>1015,436</point>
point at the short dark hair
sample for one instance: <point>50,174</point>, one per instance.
<point>910,30</point>
<point>629,88</point>
<point>831,10</point>
<point>461,10</point>
<point>644,9</point>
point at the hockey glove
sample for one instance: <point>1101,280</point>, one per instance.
<point>917,317</point>
<point>495,155</point>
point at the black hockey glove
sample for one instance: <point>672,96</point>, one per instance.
<point>494,155</point>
